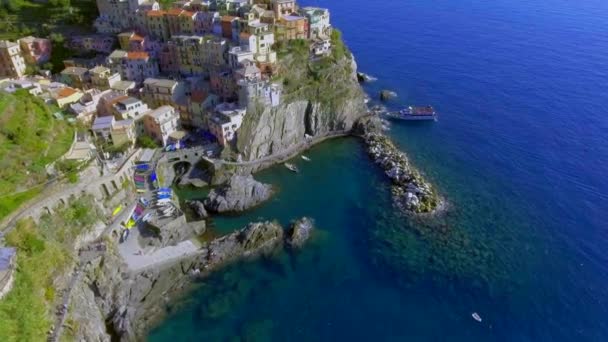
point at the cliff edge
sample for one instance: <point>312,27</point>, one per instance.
<point>320,96</point>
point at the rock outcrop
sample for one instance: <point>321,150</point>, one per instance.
<point>198,208</point>
<point>299,232</point>
<point>411,192</point>
<point>386,95</point>
<point>238,194</point>
<point>255,238</point>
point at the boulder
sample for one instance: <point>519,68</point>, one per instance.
<point>386,95</point>
<point>299,232</point>
<point>199,209</point>
<point>238,194</point>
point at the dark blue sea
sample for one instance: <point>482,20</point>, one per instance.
<point>520,152</point>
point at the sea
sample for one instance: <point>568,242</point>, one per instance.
<point>520,152</point>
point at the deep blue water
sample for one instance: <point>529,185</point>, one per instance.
<point>520,152</point>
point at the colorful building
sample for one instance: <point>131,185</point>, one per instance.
<point>133,66</point>
<point>12,63</point>
<point>318,21</point>
<point>35,51</point>
<point>160,123</point>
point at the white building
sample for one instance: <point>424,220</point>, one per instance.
<point>237,55</point>
<point>226,121</point>
<point>12,63</point>
<point>258,91</point>
<point>86,108</point>
<point>129,108</point>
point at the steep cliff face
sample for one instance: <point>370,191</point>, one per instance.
<point>319,98</point>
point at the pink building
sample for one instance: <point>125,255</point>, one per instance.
<point>35,50</point>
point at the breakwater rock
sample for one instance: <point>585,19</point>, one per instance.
<point>256,238</point>
<point>411,192</point>
<point>299,232</point>
<point>238,194</point>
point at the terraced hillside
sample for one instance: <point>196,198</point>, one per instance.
<point>30,138</point>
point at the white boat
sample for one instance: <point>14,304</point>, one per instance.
<point>305,158</point>
<point>414,114</point>
<point>147,217</point>
<point>291,167</point>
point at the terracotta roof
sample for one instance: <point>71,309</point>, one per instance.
<point>155,13</point>
<point>199,96</point>
<point>175,11</point>
<point>137,37</point>
<point>65,92</point>
<point>137,55</point>
<point>187,14</point>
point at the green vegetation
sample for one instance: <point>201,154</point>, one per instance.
<point>326,79</point>
<point>20,18</point>
<point>146,142</point>
<point>30,138</point>
<point>45,251</point>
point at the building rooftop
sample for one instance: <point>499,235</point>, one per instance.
<point>292,17</point>
<point>160,82</point>
<point>118,54</point>
<point>123,124</point>
<point>99,69</point>
<point>129,100</point>
<point>159,112</point>
<point>137,55</point>
<point>103,122</point>
<point>155,13</point>
<point>78,71</point>
<point>66,92</point>
<point>228,18</point>
<point>123,85</point>
<point>7,44</point>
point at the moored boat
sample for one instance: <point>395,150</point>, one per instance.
<point>306,158</point>
<point>292,167</point>
<point>414,113</point>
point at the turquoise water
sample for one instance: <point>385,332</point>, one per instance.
<point>520,152</point>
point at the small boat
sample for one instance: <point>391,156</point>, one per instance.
<point>292,167</point>
<point>476,316</point>
<point>306,158</point>
<point>414,113</point>
<point>147,217</point>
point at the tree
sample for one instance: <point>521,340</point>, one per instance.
<point>146,142</point>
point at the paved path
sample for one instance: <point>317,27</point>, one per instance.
<point>138,259</point>
<point>283,155</point>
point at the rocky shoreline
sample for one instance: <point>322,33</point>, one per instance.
<point>110,302</point>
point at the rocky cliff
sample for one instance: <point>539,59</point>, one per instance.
<point>319,97</point>
<point>238,194</point>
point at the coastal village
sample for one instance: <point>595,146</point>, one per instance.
<point>161,92</point>
<point>167,73</point>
